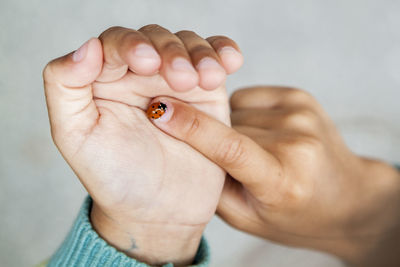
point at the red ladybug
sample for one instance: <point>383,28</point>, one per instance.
<point>156,110</point>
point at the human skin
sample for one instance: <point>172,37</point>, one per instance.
<point>292,179</point>
<point>152,194</point>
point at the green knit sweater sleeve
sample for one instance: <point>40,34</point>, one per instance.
<point>84,247</point>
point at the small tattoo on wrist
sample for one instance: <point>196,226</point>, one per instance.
<point>133,245</point>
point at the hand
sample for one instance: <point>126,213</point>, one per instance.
<point>292,179</point>
<point>153,195</point>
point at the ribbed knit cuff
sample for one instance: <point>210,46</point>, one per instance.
<point>84,247</point>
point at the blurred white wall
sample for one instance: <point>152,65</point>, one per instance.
<point>346,53</point>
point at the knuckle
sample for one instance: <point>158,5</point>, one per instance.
<point>296,92</point>
<point>118,35</point>
<point>114,29</point>
<point>243,95</point>
<point>109,31</point>
<point>238,96</point>
<point>202,50</point>
<point>151,28</point>
<point>304,149</point>
<point>130,38</point>
<point>191,127</point>
<point>185,33</point>
<point>235,96</point>
<point>231,152</point>
<point>218,40</point>
<point>303,118</point>
<point>297,192</point>
<point>295,95</point>
<point>173,48</point>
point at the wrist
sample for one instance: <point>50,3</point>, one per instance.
<point>152,243</point>
<point>374,227</point>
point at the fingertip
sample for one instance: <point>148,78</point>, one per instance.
<point>89,48</point>
<point>180,75</point>
<point>211,73</point>
<point>90,67</point>
<point>210,81</point>
<point>182,82</point>
<point>95,43</point>
<point>78,68</point>
<point>231,59</point>
<point>95,53</point>
<point>144,60</point>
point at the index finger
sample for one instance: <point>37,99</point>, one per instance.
<point>246,161</point>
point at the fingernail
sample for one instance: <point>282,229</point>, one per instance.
<point>146,51</point>
<point>208,63</point>
<point>228,50</point>
<point>79,54</point>
<point>181,64</point>
<point>156,110</point>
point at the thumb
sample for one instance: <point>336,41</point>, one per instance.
<point>236,153</point>
<point>67,83</point>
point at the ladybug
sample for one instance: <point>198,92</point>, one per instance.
<point>156,110</point>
